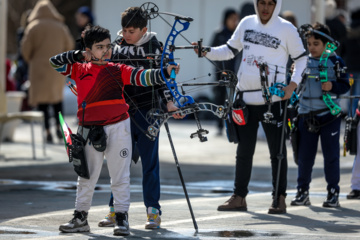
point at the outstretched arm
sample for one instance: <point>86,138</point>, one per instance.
<point>63,62</point>
<point>146,77</point>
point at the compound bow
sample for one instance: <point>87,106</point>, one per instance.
<point>187,104</point>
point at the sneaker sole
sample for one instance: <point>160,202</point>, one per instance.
<point>106,225</point>
<point>82,229</point>
<point>353,198</point>
<point>152,226</point>
<point>244,209</point>
<point>331,205</point>
<point>121,233</point>
<point>276,211</point>
<point>307,203</point>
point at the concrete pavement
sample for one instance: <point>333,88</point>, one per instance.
<point>36,196</point>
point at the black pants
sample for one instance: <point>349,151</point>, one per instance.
<point>329,134</point>
<point>57,107</point>
<point>246,147</point>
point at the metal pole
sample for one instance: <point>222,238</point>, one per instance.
<point>3,34</point>
<point>180,175</point>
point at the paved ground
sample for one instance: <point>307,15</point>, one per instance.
<point>36,196</point>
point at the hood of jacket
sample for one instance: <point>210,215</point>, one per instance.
<point>44,9</point>
<point>145,38</point>
<point>273,16</point>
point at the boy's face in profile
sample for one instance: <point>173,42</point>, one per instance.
<point>133,35</point>
<point>316,46</point>
<point>101,51</point>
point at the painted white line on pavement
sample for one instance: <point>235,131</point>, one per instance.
<point>135,205</point>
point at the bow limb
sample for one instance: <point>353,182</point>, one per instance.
<point>171,83</point>
<point>323,76</point>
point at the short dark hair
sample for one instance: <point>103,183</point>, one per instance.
<point>96,34</point>
<point>133,17</point>
<point>275,1</point>
<point>321,28</point>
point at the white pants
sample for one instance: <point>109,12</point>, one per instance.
<point>118,155</point>
<point>355,179</point>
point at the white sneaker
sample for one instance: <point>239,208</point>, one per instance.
<point>122,224</point>
<point>153,218</point>
<point>108,221</point>
<point>79,223</point>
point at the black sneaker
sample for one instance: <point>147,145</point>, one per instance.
<point>49,139</point>
<point>301,198</point>
<point>122,224</point>
<point>354,194</point>
<point>332,199</point>
<point>79,223</point>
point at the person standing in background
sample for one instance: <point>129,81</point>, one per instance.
<point>352,51</point>
<point>230,21</point>
<point>84,20</point>
<point>355,176</point>
<point>334,20</point>
<point>21,73</point>
<point>45,36</point>
<point>353,67</point>
<point>289,16</point>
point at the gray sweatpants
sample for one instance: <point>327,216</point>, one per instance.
<point>118,155</point>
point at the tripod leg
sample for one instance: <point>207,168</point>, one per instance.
<point>180,175</point>
<point>280,156</point>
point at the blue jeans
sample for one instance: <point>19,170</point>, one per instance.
<point>149,153</point>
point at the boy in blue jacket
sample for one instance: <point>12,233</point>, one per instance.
<point>316,121</point>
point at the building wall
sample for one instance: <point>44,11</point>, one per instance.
<point>353,4</point>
